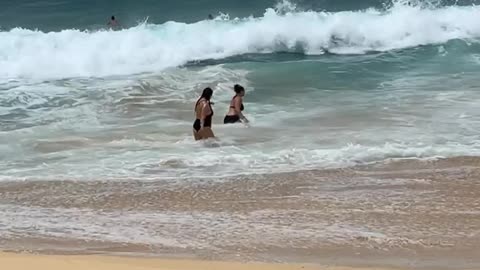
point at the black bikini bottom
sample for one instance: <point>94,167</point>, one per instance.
<point>197,125</point>
<point>231,119</point>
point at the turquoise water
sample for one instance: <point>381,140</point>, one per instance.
<point>55,15</point>
<point>329,85</point>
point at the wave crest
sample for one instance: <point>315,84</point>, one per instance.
<point>150,48</point>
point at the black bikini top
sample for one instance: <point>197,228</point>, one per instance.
<point>233,106</point>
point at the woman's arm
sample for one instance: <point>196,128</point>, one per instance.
<point>205,111</point>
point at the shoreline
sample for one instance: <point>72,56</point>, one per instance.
<point>401,215</point>
<point>13,260</point>
<point>20,261</point>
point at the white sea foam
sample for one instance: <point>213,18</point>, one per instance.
<point>150,48</point>
<point>154,162</point>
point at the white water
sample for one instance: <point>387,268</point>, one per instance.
<point>140,127</point>
<point>151,48</point>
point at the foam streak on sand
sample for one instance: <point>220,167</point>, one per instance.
<point>424,215</point>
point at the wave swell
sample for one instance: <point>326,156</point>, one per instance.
<point>150,48</point>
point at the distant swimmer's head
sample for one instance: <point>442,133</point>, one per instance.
<point>207,93</point>
<point>113,22</point>
<point>239,90</point>
<point>210,17</point>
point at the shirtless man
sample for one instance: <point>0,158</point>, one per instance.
<point>113,23</point>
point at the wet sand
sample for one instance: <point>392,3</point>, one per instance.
<point>407,214</point>
<point>43,262</point>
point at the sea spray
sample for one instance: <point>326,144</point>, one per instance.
<point>152,48</point>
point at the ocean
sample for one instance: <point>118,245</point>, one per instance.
<point>363,146</point>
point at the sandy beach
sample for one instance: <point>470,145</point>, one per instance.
<point>405,215</point>
<point>47,262</point>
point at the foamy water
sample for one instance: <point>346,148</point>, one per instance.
<point>152,48</point>
<point>140,127</point>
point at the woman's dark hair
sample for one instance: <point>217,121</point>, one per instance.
<point>206,94</point>
<point>238,88</point>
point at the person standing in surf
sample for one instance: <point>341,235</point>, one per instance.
<point>235,114</point>
<point>202,127</point>
<point>113,23</point>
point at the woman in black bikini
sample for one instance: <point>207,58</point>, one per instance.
<point>202,127</point>
<point>235,114</point>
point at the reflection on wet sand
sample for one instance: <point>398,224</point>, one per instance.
<point>421,213</point>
